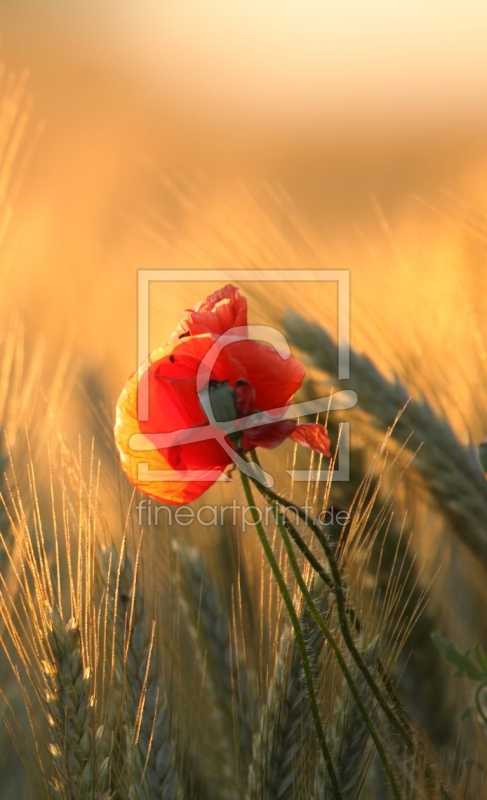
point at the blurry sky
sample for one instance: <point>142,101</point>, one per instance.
<point>311,59</point>
<point>292,62</point>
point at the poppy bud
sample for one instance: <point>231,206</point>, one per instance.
<point>222,401</point>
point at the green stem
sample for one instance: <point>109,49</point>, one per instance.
<point>336,649</point>
<point>351,613</point>
<point>298,634</point>
<point>344,610</point>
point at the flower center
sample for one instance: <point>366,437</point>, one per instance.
<point>229,404</point>
<point>222,401</point>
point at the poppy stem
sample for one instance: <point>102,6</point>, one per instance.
<point>344,611</point>
<point>338,653</point>
<point>301,645</point>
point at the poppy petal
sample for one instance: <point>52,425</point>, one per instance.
<point>244,397</point>
<point>314,436</point>
<point>141,465</point>
<point>274,377</point>
<point>268,436</point>
<point>174,405</point>
<point>222,310</point>
<point>163,473</point>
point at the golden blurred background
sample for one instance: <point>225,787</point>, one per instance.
<point>169,130</point>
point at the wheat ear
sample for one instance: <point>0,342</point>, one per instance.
<point>150,767</point>
<point>285,746</point>
<point>451,470</point>
<point>349,738</point>
<point>225,668</point>
<point>80,771</point>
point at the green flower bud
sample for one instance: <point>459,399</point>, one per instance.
<point>222,401</point>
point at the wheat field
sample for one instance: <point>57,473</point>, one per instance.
<point>146,658</point>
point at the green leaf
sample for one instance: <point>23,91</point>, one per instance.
<point>466,713</point>
<point>481,657</point>
<point>463,662</point>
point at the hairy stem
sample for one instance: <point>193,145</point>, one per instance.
<point>343,613</point>
<point>336,649</point>
<point>298,634</point>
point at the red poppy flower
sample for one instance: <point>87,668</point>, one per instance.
<point>211,395</point>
